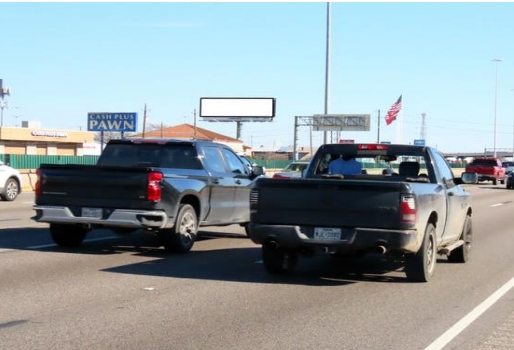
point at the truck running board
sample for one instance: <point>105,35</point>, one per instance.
<point>447,249</point>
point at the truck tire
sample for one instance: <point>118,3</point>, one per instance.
<point>420,267</point>
<point>12,189</point>
<point>495,181</point>
<point>461,254</point>
<point>502,181</point>
<point>277,259</point>
<point>182,236</point>
<point>68,235</point>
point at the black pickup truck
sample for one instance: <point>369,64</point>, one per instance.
<point>406,203</point>
<point>166,187</point>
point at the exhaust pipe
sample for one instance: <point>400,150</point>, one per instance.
<point>381,249</point>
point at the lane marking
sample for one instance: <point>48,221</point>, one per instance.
<point>464,322</point>
<point>85,241</point>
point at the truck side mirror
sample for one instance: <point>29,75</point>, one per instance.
<point>258,170</point>
<point>469,178</point>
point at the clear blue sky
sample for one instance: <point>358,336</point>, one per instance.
<point>63,60</point>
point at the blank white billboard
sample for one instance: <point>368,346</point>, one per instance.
<point>237,107</point>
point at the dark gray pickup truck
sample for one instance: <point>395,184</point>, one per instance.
<point>165,187</point>
<point>406,203</point>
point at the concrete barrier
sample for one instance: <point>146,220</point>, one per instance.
<point>28,180</point>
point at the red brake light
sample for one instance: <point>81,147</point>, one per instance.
<point>372,147</point>
<point>408,211</point>
<point>154,186</point>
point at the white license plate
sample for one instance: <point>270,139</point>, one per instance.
<point>92,212</point>
<point>327,233</point>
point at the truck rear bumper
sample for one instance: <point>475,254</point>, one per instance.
<point>117,218</point>
<point>353,239</point>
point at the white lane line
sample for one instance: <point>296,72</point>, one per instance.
<point>85,241</point>
<point>451,333</point>
<point>497,205</point>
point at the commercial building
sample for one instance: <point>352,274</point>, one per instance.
<point>31,139</point>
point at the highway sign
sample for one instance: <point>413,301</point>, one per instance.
<point>118,121</point>
<point>341,122</point>
<point>419,142</point>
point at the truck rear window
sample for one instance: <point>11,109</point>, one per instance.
<point>150,155</point>
<point>484,162</point>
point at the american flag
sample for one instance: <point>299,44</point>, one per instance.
<point>393,111</point>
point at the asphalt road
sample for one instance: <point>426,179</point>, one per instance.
<point>127,293</point>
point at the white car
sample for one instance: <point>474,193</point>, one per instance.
<point>10,182</point>
<point>292,170</point>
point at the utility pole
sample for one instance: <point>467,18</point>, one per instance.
<point>423,135</point>
<point>194,125</point>
<point>144,121</point>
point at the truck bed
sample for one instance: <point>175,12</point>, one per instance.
<point>331,203</point>
<point>90,185</point>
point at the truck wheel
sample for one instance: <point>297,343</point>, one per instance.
<point>420,267</point>
<point>461,254</point>
<point>495,181</point>
<point>278,259</point>
<point>181,238</point>
<point>247,230</point>
<point>68,235</point>
<point>502,181</point>
<point>11,190</point>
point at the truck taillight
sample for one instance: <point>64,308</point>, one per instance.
<point>37,187</point>
<point>154,186</point>
<point>408,210</point>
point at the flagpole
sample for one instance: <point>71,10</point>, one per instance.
<point>399,125</point>
<point>378,128</point>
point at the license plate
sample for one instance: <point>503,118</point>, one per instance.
<point>92,212</point>
<point>327,233</point>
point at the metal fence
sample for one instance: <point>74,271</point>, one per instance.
<point>21,161</point>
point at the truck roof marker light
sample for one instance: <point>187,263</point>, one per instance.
<point>372,147</point>
<point>153,190</point>
<point>154,141</point>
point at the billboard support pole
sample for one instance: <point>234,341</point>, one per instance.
<point>239,126</point>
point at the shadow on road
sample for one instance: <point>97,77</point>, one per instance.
<point>234,264</point>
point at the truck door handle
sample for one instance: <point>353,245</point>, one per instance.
<point>238,182</point>
<point>216,181</point>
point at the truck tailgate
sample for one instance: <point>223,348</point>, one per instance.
<point>84,185</point>
<point>329,203</point>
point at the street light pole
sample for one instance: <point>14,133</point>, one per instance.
<point>327,70</point>
<point>512,130</point>
<point>496,61</point>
